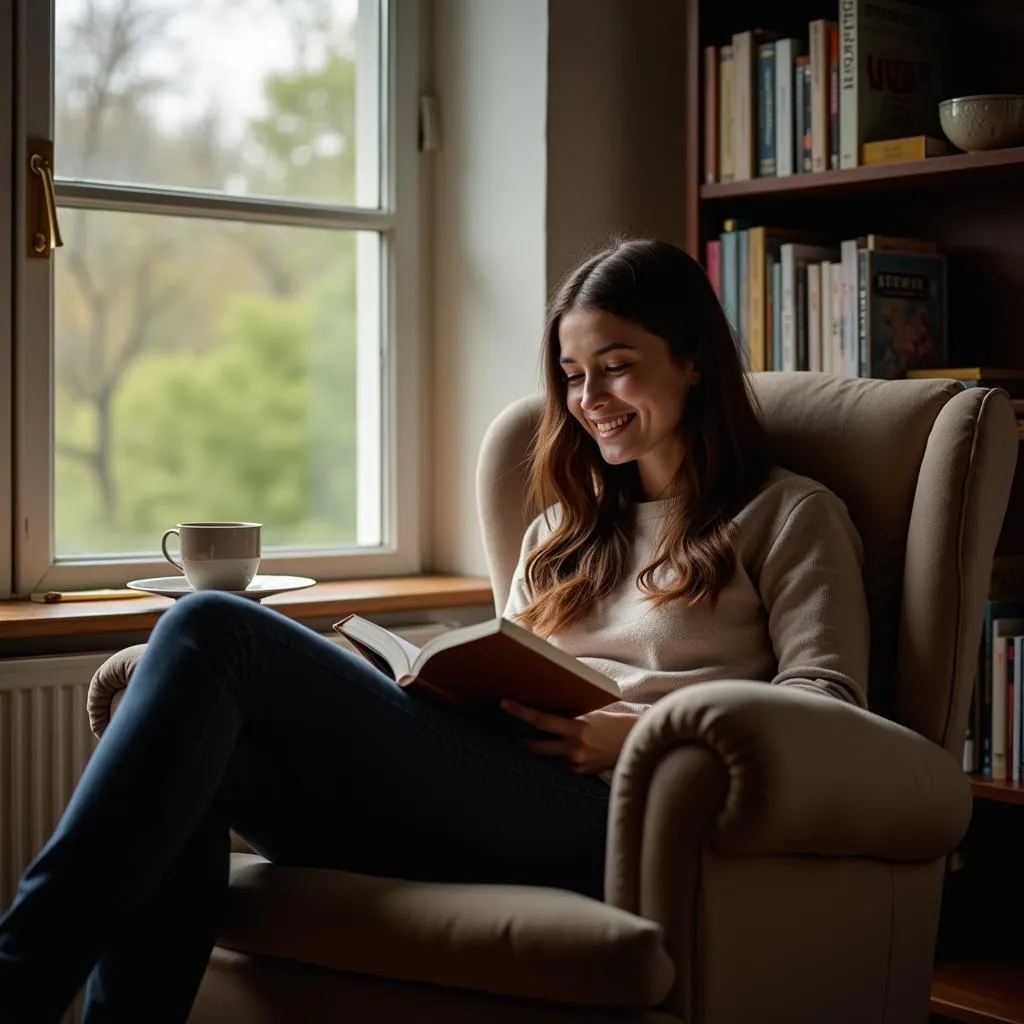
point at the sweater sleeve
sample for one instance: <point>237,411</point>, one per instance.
<point>812,589</point>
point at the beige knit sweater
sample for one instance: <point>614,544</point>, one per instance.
<point>794,613</point>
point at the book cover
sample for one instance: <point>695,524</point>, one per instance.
<point>902,312</point>
<point>480,664</point>
<point>890,72</point>
<point>766,124</point>
<point>711,62</point>
<point>891,151</point>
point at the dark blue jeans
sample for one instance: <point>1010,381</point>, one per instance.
<point>238,717</point>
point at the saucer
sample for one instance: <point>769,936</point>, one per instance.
<point>261,586</point>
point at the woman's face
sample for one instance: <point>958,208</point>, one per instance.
<point>627,392</point>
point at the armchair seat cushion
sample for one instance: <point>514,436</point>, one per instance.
<point>526,941</point>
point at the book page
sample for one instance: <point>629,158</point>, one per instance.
<point>385,650</point>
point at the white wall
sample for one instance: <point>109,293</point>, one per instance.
<point>490,61</point>
<point>561,124</point>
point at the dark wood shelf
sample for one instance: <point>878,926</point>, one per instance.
<point>962,168</point>
<point>979,993</point>
<point>990,789</point>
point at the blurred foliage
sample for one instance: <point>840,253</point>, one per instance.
<point>204,369</point>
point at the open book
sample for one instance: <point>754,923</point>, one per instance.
<point>482,663</point>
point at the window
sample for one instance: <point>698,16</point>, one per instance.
<point>229,330</point>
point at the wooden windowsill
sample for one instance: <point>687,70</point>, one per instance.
<point>21,620</point>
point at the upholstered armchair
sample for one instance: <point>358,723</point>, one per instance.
<point>773,855</point>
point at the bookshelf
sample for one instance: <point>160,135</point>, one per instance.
<point>972,205</point>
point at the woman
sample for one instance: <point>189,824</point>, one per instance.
<point>671,553</point>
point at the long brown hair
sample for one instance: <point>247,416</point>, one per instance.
<point>658,287</point>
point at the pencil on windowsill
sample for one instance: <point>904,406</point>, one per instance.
<point>63,596</point>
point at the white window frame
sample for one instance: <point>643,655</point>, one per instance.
<point>398,407</point>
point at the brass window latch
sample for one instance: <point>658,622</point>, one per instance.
<point>43,229</point>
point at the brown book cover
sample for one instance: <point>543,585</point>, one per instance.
<point>480,664</point>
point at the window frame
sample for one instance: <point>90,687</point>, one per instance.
<point>7,206</point>
<point>397,222</point>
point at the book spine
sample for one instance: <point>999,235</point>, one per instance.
<point>849,76</point>
<point>851,339</point>
<point>766,125</point>
<point>727,115</point>
<point>769,312</point>
<point>777,311</point>
<point>713,262</point>
<point>743,93</point>
<point>787,258</point>
<point>730,279</point>
<point>819,30</point>
<point>756,326</point>
<point>814,358</point>
<point>743,301</point>
<point>836,330</point>
<point>1015,733</point>
<point>833,96</point>
<point>799,128</point>
<point>785,51</point>
<point>864,312</point>
<point>825,320</point>
<point>800,316</point>
<point>710,114</point>
<point>806,149</point>
<point>999,709</point>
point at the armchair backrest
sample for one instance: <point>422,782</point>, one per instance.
<point>925,469</point>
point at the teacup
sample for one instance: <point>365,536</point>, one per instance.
<point>216,556</point>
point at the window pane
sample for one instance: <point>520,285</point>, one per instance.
<point>207,370</point>
<point>262,97</point>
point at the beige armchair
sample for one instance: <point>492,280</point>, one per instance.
<point>773,855</point>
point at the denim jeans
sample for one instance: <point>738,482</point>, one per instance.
<point>239,718</point>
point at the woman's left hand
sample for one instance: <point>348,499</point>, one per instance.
<point>588,744</point>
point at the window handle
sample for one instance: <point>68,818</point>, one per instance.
<point>44,231</point>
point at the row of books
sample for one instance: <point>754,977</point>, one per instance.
<point>994,746</point>
<point>872,306</point>
<point>775,105</point>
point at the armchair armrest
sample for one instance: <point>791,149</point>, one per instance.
<point>801,773</point>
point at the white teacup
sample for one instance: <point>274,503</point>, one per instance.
<point>216,556</point>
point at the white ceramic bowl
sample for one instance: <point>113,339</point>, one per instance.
<point>975,123</point>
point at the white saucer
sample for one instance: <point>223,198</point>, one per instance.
<point>261,586</point>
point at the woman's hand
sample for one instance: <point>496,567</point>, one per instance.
<point>588,744</point>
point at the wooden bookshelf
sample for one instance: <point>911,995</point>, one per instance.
<point>975,169</point>
<point>1003,792</point>
<point>972,205</point>
<point>979,993</point>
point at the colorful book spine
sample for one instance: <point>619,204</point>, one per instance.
<point>711,63</point>
<point>807,140</point>
<point>730,275</point>
<point>743,302</point>
<point>726,115</point>
<point>800,127</point>
<point>766,121</point>
<point>833,96</point>
<point>713,265</point>
<point>820,114</point>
